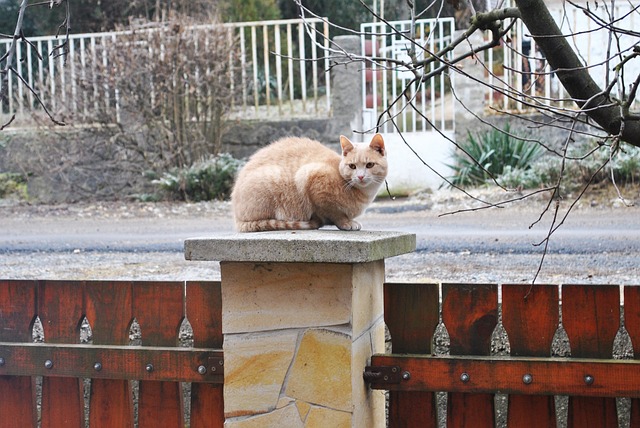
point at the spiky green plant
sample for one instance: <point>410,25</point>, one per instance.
<point>485,155</point>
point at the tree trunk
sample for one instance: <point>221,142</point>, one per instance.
<point>572,73</point>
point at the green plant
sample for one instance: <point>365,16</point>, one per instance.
<point>12,184</point>
<point>485,156</point>
<point>206,180</point>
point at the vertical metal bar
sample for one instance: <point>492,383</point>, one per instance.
<point>72,64</point>
<point>3,50</point>
<point>41,85</point>
<point>363,74</point>
<point>278,67</point>
<point>63,74</point>
<point>327,72</point>
<point>314,62</point>
<point>424,40</point>
<point>518,65</point>
<point>52,75</point>
<point>452,28</point>
<point>152,92</point>
<point>30,75</point>
<point>432,80</point>
<point>231,73</point>
<point>267,75</point>
<point>374,76</point>
<point>117,90</point>
<point>105,65</point>
<point>18,68</point>
<point>385,90</point>
<point>243,68</point>
<point>94,73</point>
<point>83,69</point>
<point>303,72</point>
<point>506,78</point>
<point>395,80</point>
<point>290,75</point>
<point>491,74</point>
<point>443,119</point>
<point>254,57</point>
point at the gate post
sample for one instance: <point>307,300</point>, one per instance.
<point>302,313</point>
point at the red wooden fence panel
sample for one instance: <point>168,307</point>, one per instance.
<point>411,329</point>
<point>207,405</point>
<point>110,308</point>
<point>18,308</point>
<point>530,316</point>
<point>632,324</point>
<point>60,308</point>
<point>158,307</point>
<point>470,314</point>
<point>109,312</point>
<point>591,317</point>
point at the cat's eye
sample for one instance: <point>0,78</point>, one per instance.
<point>370,165</point>
<point>352,165</point>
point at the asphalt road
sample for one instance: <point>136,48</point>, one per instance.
<point>594,245</point>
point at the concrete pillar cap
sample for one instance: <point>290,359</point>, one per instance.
<point>309,246</point>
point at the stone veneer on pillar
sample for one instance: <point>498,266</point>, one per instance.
<point>302,313</point>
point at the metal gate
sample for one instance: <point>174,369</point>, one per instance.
<point>390,90</point>
<point>416,116</point>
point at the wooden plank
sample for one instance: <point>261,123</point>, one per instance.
<point>17,312</point>
<point>530,315</point>
<point>171,364</point>
<point>109,312</point>
<point>204,312</point>
<point>613,378</point>
<point>632,324</point>
<point>60,311</point>
<point>411,312</point>
<point>158,307</point>
<point>470,314</point>
<point>591,318</point>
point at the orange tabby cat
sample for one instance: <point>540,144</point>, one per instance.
<point>297,183</point>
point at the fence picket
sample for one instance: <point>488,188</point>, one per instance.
<point>411,331</point>
<point>632,324</point>
<point>18,308</point>
<point>109,312</point>
<point>470,314</point>
<point>530,316</point>
<point>158,307</point>
<point>204,304</point>
<point>60,307</point>
<point>591,318</point>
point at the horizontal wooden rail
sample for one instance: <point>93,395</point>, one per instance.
<point>505,375</point>
<point>112,362</point>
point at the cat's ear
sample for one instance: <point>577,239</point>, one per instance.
<point>346,144</point>
<point>377,144</point>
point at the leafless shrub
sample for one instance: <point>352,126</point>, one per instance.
<point>144,101</point>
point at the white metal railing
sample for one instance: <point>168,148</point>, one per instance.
<point>282,62</point>
<point>383,83</point>
<point>517,66</point>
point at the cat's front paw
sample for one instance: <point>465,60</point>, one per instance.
<point>349,225</point>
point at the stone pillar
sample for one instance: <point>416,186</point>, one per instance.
<point>302,313</point>
<point>467,88</point>
<point>346,88</point>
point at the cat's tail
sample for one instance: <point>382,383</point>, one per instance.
<point>273,224</point>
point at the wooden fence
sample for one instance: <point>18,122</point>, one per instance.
<point>532,318</point>
<point>85,334</point>
<point>69,351</point>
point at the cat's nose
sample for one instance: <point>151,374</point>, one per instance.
<point>361,177</point>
